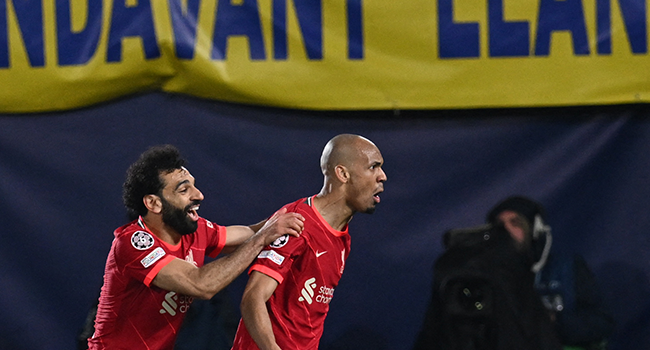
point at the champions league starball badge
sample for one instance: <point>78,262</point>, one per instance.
<point>280,242</point>
<point>141,240</point>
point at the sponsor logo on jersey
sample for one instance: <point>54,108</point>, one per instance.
<point>141,240</point>
<point>318,254</point>
<point>175,303</point>
<point>209,224</point>
<point>280,242</point>
<point>152,257</point>
<point>308,293</point>
<point>272,255</point>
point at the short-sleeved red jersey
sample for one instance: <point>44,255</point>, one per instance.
<point>308,269</point>
<point>133,313</point>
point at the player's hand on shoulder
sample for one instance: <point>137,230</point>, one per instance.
<point>280,224</point>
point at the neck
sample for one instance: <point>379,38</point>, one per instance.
<point>333,209</point>
<point>156,226</point>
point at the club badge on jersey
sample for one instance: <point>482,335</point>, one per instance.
<point>280,242</point>
<point>142,240</point>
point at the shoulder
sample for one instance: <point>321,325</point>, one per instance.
<point>136,245</point>
<point>135,236</point>
<point>205,225</point>
<point>137,241</point>
<point>304,207</point>
<point>127,229</point>
<point>133,241</point>
<point>299,205</point>
<point>288,242</point>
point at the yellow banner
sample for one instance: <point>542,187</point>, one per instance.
<point>334,55</point>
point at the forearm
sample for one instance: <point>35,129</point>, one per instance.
<point>237,235</point>
<point>182,277</point>
<point>218,274</point>
<point>204,282</point>
<point>257,321</point>
<point>258,226</point>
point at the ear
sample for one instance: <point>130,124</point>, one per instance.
<point>153,203</point>
<point>342,173</point>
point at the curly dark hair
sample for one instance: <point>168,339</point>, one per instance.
<point>143,176</point>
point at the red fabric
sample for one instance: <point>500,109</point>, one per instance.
<point>132,314</point>
<point>310,268</point>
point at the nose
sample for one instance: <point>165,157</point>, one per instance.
<point>382,175</point>
<point>198,195</point>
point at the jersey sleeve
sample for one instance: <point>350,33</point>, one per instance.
<point>276,259</point>
<point>216,239</point>
<point>140,256</point>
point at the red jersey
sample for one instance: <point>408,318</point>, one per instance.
<point>133,313</point>
<point>308,269</point>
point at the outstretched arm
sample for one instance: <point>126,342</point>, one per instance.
<point>259,289</point>
<point>237,235</point>
<point>204,282</point>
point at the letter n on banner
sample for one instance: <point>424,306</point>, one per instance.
<point>242,19</point>
<point>30,25</point>
<point>310,18</point>
<point>77,47</point>
<point>635,18</point>
<point>132,21</point>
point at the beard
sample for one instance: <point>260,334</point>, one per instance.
<point>177,218</point>
<point>370,210</point>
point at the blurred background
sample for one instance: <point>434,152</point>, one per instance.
<point>86,89</point>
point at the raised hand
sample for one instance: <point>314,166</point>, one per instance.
<point>280,224</point>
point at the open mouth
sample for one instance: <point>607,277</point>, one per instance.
<point>192,212</point>
<point>376,196</point>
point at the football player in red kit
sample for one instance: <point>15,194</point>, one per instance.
<point>293,280</point>
<point>156,263</point>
